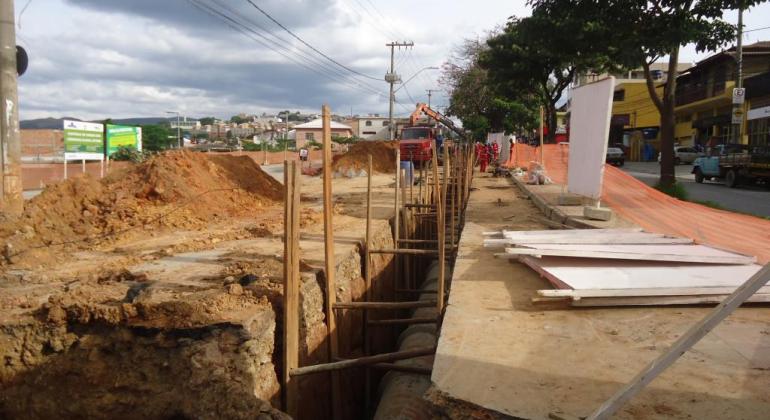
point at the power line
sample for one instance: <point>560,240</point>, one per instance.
<point>308,45</point>
<point>282,43</point>
<point>756,29</point>
<point>232,23</point>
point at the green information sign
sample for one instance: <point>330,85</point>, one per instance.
<point>83,140</point>
<point>123,136</point>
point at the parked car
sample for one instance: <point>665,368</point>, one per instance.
<point>615,156</point>
<point>684,154</point>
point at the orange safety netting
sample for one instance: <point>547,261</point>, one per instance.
<point>657,212</point>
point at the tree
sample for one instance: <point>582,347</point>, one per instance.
<point>237,119</point>
<point>207,120</point>
<point>641,32</point>
<point>476,101</point>
<point>157,137</point>
<point>540,55</point>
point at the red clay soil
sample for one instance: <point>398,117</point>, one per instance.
<point>661,213</point>
<point>356,158</point>
<point>175,189</point>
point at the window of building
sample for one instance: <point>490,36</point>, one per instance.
<point>310,136</point>
<point>619,95</point>
<point>368,123</point>
<point>759,132</point>
<point>385,123</point>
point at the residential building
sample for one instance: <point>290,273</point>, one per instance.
<point>704,97</point>
<point>369,126</point>
<point>312,131</point>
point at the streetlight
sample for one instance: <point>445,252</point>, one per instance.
<point>178,130</point>
<point>413,76</point>
<point>391,128</point>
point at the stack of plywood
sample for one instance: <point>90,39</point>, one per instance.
<point>616,267</point>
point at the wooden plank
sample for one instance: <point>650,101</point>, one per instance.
<point>624,240</point>
<point>365,361</point>
<point>368,276</point>
<point>291,288</point>
<point>406,251</point>
<point>329,261</point>
<point>578,253</point>
<point>661,300</point>
<point>440,208</point>
<point>653,291</point>
<point>592,274</point>
<point>682,345</point>
<point>571,232</point>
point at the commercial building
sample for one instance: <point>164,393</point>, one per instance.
<point>371,125</point>
<point>704,97</point>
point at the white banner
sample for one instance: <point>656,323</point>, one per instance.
<point>755,114</point>
<point>590,114</point>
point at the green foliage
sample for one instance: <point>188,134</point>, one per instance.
<point>207,120</point>
<point>129,154</point>
<point>634,33</point>
<point>237,119</point>
<point>675,190</point>
<point>251,146</point>
<point>312,144</point>
<point>344,140</point>
<point>479,104</point>
<point>157,137</point>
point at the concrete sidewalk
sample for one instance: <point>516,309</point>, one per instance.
<point>500,351</point>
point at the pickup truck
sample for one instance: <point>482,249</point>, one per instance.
<point>735,163</point>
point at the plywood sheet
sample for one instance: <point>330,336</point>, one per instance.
<point>589,123</point>
<point>582,273</point>
<point>676,253</point>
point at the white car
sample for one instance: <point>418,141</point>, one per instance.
<point>684,154</point>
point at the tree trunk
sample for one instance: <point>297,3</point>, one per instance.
<point>668,124</point>
<point>550,123</point>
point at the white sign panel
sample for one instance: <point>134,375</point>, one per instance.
<point>83,140</point>
<point>739,95</point>
<point>737,115</point>
<point>755,114</point>
<point>590,114</point>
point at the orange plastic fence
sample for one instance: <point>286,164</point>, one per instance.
<point>657,212</point>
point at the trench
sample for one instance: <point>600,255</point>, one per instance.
<point>162,360</point>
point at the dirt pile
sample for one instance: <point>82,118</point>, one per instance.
<point>355,160</point>
<point>175,189</point>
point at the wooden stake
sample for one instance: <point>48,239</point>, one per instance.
<point>365,361</point>
<point>368,277</point>
<point>290,287</point>
<point>329,261</point>
<point>397,211</point>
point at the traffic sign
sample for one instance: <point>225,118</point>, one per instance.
<point>738,115</point>
<point>739,95</point>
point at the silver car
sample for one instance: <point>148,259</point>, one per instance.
<point>684,154</point>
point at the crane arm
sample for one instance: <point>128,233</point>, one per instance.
<point>425,109</point>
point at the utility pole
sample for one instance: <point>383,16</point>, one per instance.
<point>430,93</point>
<point>11,201</point>
<point>393,78</point>
<point>738,105</point>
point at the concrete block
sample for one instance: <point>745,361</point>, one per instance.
<point>597,213</point>
<point>570,200</point>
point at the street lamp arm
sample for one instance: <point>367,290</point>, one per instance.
<point>413,76</point>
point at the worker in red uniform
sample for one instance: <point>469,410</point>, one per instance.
<point>495,152</point>
<point>477,149</point>
<point>483,158</point>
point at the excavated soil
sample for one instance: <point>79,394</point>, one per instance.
<point>173,190</point>
<point>355,160</point>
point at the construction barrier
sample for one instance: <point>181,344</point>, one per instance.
<point>658,212</point>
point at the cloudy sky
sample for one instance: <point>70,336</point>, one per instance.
<point>94,59</point>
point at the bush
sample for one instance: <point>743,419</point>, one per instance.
<point>251,146</point>
<point>675,190</point>
<point>129,154</point>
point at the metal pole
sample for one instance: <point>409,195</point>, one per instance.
<point>392,96</point>
<point>178,131</point>
<point>739,80</point>
<point>11,201</point>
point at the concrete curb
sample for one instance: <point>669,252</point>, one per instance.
<point>551,212</point>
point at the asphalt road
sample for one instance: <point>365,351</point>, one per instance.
<point>745,199</point>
